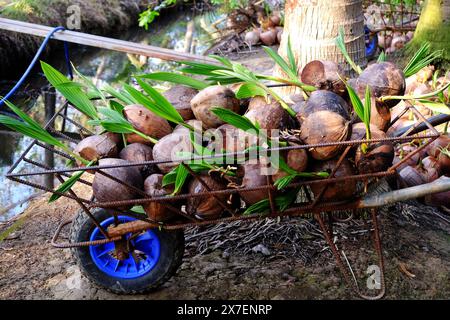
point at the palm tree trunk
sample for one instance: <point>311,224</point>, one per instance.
<point>313,25</point>
<point>434,27</point>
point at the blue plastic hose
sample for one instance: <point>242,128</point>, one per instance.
<point>35,59</point>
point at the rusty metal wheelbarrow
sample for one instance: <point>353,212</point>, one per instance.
<point>127,252</point>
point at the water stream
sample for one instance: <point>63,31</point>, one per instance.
<point>102,66</point>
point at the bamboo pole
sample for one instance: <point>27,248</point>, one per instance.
<point>102,42</point>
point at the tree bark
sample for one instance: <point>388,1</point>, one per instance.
<point>434,27</point>
<point>313,25</point>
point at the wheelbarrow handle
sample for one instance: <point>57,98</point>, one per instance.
<point>439,185</point>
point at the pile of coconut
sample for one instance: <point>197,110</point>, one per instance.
<point>432,161</point>
<point>325,115</point>
<point>393,41</point>
<point>268,33</point>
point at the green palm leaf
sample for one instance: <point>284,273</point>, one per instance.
<point>161,106</point>
<point>73,94</point>
<point>68,184</point>
<point>175,78</point>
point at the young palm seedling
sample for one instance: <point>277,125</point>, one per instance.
<point>373,157</point>
<point>241,122</point>
<point>227,72</point>
<point>30,128</point>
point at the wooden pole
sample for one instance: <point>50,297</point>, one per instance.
<point>102,42</point>
<point>440,185</point>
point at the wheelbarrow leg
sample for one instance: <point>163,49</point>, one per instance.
<point>345,271</point>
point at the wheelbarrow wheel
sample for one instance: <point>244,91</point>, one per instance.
<point>152,259</point>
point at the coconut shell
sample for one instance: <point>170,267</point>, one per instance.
<point>322,100</point>
<point>275,19</point>
<point>145,121</point>
<point>337,191</point>
<point>378,157</point>
<point>444,163</point>
<point>106,189</point>
<point>380,115</point>
<point>323,119</point>
<point>229,139</point>
<point>406,149</point>
<point>180,97</point>
<point>205,207</point>
<point>296,159</point>
<point>269,37</point>
<point>409,177</point>
<point>115,137</point>
<point>211,97</point>
<point>384,41</point>
<point>156,210</point>
<point>138,152</point>
<point>254,176</point>
<point>398,42</point>
<point>384,79</point>
<point>96,147</point>
<point>252,37</point>
<point>431,169</point>
<point>441,142</point>
<point>167,149</point>
<point>322,127</point>
<point>324,75</point>
<point>269,116</point>
<point>196,124</point>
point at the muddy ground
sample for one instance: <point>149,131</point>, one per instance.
<point>416,242</point>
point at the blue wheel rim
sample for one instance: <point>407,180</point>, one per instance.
<point>371,42</point>
<point>143,258</point>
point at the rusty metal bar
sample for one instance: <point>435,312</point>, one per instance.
<point>205,185</point>
<point>135,164</point>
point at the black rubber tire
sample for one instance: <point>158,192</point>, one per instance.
<point>171,256</point>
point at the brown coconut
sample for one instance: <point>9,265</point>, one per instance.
<point>444,163</point>
<point>253,176</point>
<point>229,139</point>
<point>383,78</point>
<point>205,207</point>
<point>380,115</point>
<point>211,97</point>
<point>324,75</point>
<point>145,121</point>
<point>269,115</point>
<point>323,119</point>
<point>138,152</point>
<point>252,37</point>
<point>269,37</point>
<point>180,97</point>
<point>410,176</point>
<point>96,147</point>
<point>157,211</point>
<point>168,148</point>
<point>378,157</point>
<point>384,41</point>
<point>441,142</point>
<point>106,189</point>
<point>296,159</point>
<point>275,19</point>
<point>430,169</point>
<point>336,191</point>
